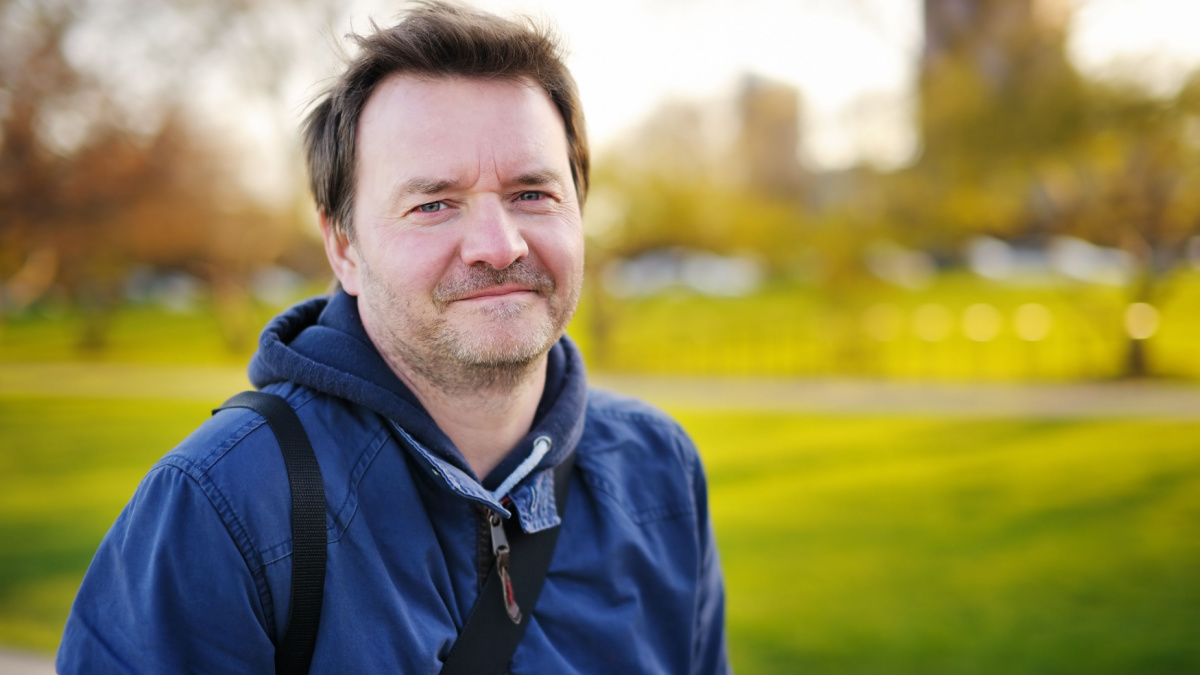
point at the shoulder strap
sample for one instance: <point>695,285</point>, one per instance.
<point>293,656</point>
<point>487,641</point>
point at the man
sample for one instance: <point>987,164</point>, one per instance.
<point>449,165</point>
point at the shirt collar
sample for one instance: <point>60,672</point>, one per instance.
<point>528,488</point>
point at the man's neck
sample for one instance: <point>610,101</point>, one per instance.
<point>483,423</point>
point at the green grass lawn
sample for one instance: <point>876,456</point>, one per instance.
<point>887,545</point>
<point>67,467</point>
<point>851,544</point>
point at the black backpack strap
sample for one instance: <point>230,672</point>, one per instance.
<point>487,641</point>
<point>293,655</point>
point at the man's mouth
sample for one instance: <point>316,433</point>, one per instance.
<point>494,291</point>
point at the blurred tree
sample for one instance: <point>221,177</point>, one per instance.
<point>1017,144</point>
<point>1136,186</point>
<point>998,99</point>
<point>102,163</point>
<point>671,183</point>
<point>675,182</point>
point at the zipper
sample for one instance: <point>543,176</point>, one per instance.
<point>501,550</point>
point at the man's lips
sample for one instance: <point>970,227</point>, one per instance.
<point>495,291</point>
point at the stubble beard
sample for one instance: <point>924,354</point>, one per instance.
<point>492,353</point>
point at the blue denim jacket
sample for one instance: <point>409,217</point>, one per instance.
<point>194,576</point>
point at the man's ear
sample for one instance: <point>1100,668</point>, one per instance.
<point>342,255</point>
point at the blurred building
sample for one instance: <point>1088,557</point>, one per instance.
<point>768,141</point>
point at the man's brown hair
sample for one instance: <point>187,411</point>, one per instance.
<point>433,39</point>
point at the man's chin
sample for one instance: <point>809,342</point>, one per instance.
<point>503,346</point>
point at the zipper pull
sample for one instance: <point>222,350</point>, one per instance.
<point>500,548</point>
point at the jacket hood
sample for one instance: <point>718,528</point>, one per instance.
<point>321,344</point>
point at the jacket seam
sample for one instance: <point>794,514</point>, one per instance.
<point>206,463</point>
<point>349,507</point>
<point>336,528</point>
<point>255,421</point>
<point>346,511</point>
<point>233,526</point>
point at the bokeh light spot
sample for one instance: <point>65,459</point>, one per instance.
<point>981,322</point>
<point>1032,322</point>
<point>1141,320</point>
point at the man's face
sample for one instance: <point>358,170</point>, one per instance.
<point>468,247</point>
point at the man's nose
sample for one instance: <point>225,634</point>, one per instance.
<point>493,237</point>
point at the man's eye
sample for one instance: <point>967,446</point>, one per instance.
<point>431,207</point>
<point>530,196</point>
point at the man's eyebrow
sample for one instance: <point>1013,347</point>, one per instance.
<point>420,186</point>
<point>540,177</point>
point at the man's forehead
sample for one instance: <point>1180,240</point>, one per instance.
<point>446,129</point>
<point>416,100</point>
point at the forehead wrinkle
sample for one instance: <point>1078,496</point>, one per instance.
<point>532,163</point>
<point>486,156</point>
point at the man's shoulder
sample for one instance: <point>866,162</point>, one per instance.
<point>232,440</point>
<point>608,405</point>
<point>640,456</point>
<point>235,459</point>
<point>616,418</point>
<point>238,441</point>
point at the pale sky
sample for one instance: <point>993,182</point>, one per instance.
<point>854,61</point>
